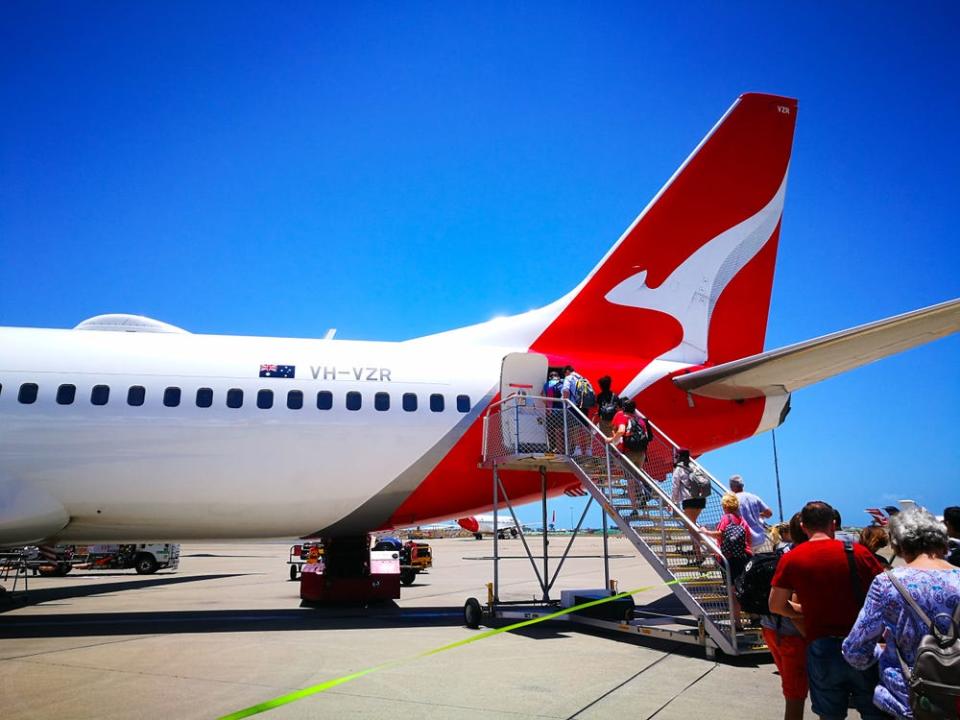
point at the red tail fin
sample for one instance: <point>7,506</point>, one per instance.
<point>690,280</point>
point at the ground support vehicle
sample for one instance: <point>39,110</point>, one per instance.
<point>58,560</point>
<point>145,558</point>
<point>302,554</point>
<point>335,579</point>
<point>414,557</point>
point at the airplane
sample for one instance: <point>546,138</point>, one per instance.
<point>481,525</point>
<point>128,428</point>
<point>430,530</point>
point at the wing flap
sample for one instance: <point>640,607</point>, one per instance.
<point>786,369</point>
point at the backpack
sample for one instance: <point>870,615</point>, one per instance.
<point>700,486</point>
<point>585,396</point>
<point>608,409</point>
<point>733,542</point>
<point>636,437</point>
<point>934,681</point>
<point>753,586</point>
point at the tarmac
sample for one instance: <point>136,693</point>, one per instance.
<point>226,631</point>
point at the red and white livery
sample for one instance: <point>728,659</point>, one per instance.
<point>127,428</point>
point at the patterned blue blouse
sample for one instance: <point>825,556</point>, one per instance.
<point>936,591</point>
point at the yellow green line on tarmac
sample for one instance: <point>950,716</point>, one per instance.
<point>324,686</point>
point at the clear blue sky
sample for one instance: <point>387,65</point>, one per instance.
<point>254,168</point>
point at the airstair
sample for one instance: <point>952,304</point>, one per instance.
<point>524,432</point>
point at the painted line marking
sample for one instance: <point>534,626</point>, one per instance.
<point>323,687</point>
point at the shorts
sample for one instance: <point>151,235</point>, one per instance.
<point>836,685</point>
<point>790,654</point>
<point>699,503</point>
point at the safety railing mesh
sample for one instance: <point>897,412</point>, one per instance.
<point>640,496</point>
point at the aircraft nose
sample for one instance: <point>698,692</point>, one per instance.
<point>469,524</point>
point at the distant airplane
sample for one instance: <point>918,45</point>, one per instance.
<point>481,525</point>
<point>126,428</point>
<point>433,529</point>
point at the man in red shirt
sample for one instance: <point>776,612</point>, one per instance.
<point>830,579</point>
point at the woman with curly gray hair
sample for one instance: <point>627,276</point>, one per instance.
<point>888,620</point>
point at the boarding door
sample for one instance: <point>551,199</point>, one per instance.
<point>523,418</point>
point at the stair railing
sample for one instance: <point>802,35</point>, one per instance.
<point>533,426</point>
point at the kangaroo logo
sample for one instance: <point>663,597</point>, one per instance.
<point>691,291</point>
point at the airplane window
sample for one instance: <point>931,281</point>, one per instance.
<point>436,402</point>
<point>28,393</point>
<point>381,401</point>
<point>66,394</point>
<point>234,398</point>
<point>100,394</point>
<point>171,396</point>
<point>324,400</point>
<point>354,400</point>
<point>135,395</point>
<point>409,402</point>
<point>463,403</point>
<point>265,399</point>
<point>294,400</point>
<point>204,397</point>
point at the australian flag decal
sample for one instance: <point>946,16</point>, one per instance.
<point>278,371</point>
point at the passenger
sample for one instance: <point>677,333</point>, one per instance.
<point>733,536</point>
<point>888,625</point>
<point>626,439</point>
<point>785,639</point>
<point>573,390</point>
<point>690,491</point>
<point>607,406</point>
<point>874,537</point>
<point>830,582</point>
<point>797,533</point>
<point>553,389</point>
<point>780,536</point>
<point>754,511</point>
<point>841,534</point>
<point>569,389</point>
<point>951,518</point>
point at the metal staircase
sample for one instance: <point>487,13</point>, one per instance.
<point>534,433</point>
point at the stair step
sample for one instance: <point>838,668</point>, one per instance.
<point>672,556</point>
<point>709,597</point>
<point>671,530</point>
<point>705,584</point>
<point>678,541</point>
<point>657,526</point>
<point>702,572</point>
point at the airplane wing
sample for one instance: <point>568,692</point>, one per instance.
<point>781,371</point>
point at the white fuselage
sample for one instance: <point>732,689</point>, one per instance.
<point>121,471</point>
